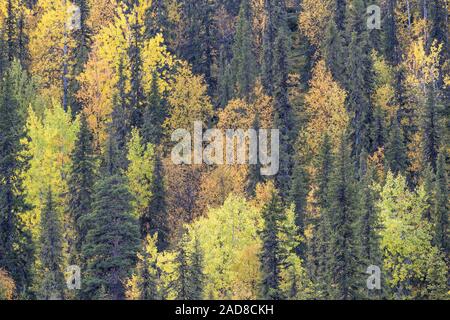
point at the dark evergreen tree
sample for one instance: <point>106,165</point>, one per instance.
<point>154,116</point>
<point>269,36</point>
<point>112,239</point>
<point>156,20</point>
<point>225,81</point>
<point>147,271</point>
<point>136,94</point>
<point>359,79</point>
<point>345,272</point>
<point>120,127</point>
<point>340,13</point>
<point>81,187</point>
<point>196,275</point>
<point>396,158</point>
<point>319,248</point>
<point>333,52</point>
<point>196,45</point>
<point>16,252</point>
<point>156,219</point>
<point>390,40</point>
<point>271,251</point>
<point>190,270</point>
<point>244,66</point>
<point>80,54</point>
<point>51,254</point>
<point>430,129</point>
<point>441,205</point>
<point>367,222</point>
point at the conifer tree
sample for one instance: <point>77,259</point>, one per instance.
<point>154,116</point>
<point>196,275</point>
<point>333,52</point>
<point>339,16</point>
<point>157,211</point>
<point>81,186</point>
<point>390,38</point>
<point>112,238</point>
<point>367,224</point>
<point>16,251</point>
<point>143,285</point>
<point>344,251</point>
<point>191,279</point>
<point>225,81</point>
<point>51,255</point>
<point>359,77</point>
<point>441,209</point>
<point>243,58</point>
<point>271,255</point>
<point>396,159</point>
<point>196,46</point>
<point>319,249</point>
<point>82,37</point>
<point>136,94</point>
<point>120,127</point>
<point>430,130</point>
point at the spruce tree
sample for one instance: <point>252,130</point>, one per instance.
<point>51,255</point>
<point>136,94</point>
<point>81,186</point>
<point>390,39</point>
<point>191,279</point>
<point>16,252</point>
<point>120,126</point>
<point>243,62</point>
<point>333,52</point>
<point>157,211</point>
<point>396,158</point>
<point>112,238</point>
<point>367,224</point>
<point>430,129</point>
<point>154,116</point>
<point>146,274</point>
<point>80,54</point>
<point>196,46</point>
<point>344,250</point>
<point>319,248</point>
<point>196,275</point>
<point>359,78</point>
<point>225,81</point>
<point>271,255</point>
<point>441,209</point>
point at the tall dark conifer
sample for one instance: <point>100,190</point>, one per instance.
<point>244,66</point>
<point>271,250</point>
<point>16,254</point>
<point>51,253</point>
<point>81,187</point>
<point>112,239</point>
<point>441,208</point>
<point>344,265</point>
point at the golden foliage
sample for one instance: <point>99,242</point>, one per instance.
<point>314,19</point>
<point>7,286</point>
<point>325,107</point>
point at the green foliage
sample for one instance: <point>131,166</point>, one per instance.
<point>15,247</point>
<point>223,235</point>
<point>51,256</point>
<point>112,239</point>
<point>81,186</point>
<point>416,269</point>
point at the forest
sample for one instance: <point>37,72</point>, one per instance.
<point>93,207</point>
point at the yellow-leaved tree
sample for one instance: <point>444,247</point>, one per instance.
<point>325,108</point>
<point>51,141</point>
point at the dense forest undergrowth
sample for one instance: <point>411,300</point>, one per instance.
<point>92,205</point>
